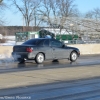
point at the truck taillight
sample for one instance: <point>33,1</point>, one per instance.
<point>29,49</point>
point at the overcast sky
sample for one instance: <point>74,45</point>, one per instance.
<point>14,19</point>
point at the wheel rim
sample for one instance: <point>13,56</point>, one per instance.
<point>74,56</point>
<point>40,58</point>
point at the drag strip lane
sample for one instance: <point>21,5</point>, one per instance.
<point>31,65</point>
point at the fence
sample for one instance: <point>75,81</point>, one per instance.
<point>95,41</point>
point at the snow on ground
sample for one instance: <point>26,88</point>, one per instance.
<point>10,41</point>
<point>4,58</point>
<point>10,38</point>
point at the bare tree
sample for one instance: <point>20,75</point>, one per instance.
<point>27,8</point>
<point>45,11</point>
<point>55,13</point>
<point>89,14</point>
<point>94,14</point>
<point>57,9</point>
<point>66,8</point>
<point>1,3</point>
<point>2,6</point>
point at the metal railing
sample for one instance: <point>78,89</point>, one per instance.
<point>96,41</point>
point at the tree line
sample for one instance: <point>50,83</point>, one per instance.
<point>56,14</point>
<point>39,12</point>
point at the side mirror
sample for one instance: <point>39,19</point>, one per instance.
<point>63,45</point>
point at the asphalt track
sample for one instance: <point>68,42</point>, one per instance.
<point>61,80</point>
<point>86,60</point>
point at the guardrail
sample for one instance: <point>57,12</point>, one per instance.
<point>82,42</point>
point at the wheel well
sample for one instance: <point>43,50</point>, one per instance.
<point>42,53</point>
<point>75,51</point>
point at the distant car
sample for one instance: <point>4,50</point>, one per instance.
<point>41,49</point>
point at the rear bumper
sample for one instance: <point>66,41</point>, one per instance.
<point>17,55</point>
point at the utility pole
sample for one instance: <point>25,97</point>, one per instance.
<point>23,23</point>
<point>35,19</point>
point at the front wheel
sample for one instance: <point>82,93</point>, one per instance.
<point>39,58</point>
<point>73,56</point>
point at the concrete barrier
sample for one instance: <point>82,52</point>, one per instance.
<point>5,51</point>
<point>88,48</point>
<point>84,49</point>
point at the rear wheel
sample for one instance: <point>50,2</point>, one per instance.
<point>39,58</point>
<point>21,60</point>
<point>73,56</point>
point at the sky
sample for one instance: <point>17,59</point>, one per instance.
<point>87,5</point>
<point>15,19</point>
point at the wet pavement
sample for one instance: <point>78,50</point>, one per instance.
<point>81,89</point>
<point>88,89</point>
<point>61,80</point>
<point>7,65</point>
